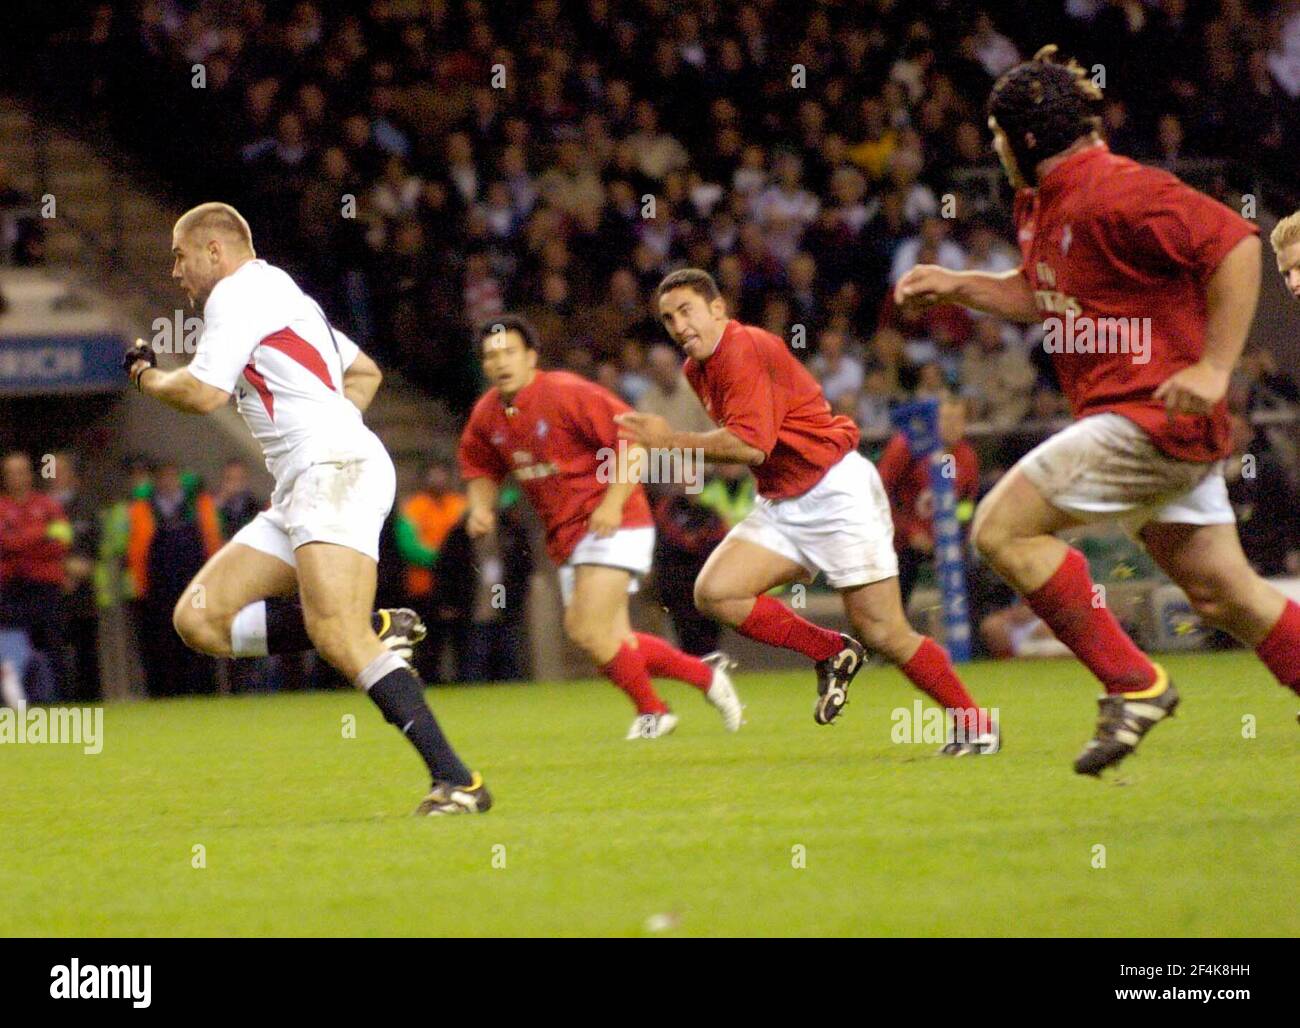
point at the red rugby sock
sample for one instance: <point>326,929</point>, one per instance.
<point>628,671</point>
<point>932,672</point>
<point>665,661</point>
<point>1065,602</point>
<point>1280,650</point>
<point>774,623</point>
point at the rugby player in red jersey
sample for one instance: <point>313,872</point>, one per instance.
<point>821,508</point>
<point>1285,239</point>
<point>1105,238</point>
<point>553,430</point>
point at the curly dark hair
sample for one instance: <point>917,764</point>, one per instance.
<point>1054,101</point>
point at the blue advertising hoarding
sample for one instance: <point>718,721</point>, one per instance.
<point>69,363</point>
<point>919,423</point>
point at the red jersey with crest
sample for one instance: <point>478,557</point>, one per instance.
<point>755,388</point>
<point>1104,237</point>
<point>554,437</point>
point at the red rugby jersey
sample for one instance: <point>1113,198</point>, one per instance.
<point>554,437</point>
<point>1105,237</point>
<point>755,388</point>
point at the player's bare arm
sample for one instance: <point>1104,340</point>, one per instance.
<point>361,381</point>
<point>1231,295</point>
<point>178,389</point>
<point>606,519</point>
<point>1006,294</point>
<point>655,433</point>
<point>481,517</point>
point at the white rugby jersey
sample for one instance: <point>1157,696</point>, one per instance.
<point>269,343</point>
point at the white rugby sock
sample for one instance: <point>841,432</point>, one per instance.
<point>248,631</point>
<point>386,663</point>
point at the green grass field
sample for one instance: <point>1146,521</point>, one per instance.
<point>308,833</point>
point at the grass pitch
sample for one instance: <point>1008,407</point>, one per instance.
<point>783,829</point>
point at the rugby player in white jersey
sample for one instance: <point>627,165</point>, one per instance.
<point>301,388</point>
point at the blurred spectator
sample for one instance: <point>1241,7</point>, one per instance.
<point>174,530</point>
<point>480,596</point>
<point>422,525</point>
<point>997,382</point>
<point>669,394</point>
<point>872,406</point>
<point>686,531</point>
<point>623,315</point>
<point>839,373</point>
<point>236,502</point>
<point>22,238</point>
<point>114,585</point>
<point>634,378</point>
<point>907,483</point>
<point>236,506</point>
<point>81,614</point>
<point>931,245</point>
<point>34,545</point>
<point>1263,499</point>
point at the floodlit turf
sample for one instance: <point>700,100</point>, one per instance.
<point>305,832</point>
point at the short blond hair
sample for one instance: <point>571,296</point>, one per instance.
<point>216,218</point>
<point>1285,232</point>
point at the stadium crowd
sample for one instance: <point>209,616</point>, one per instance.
<point>425,165</point>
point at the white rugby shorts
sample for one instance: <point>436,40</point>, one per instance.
<point>841,527</point>
<point>1106,468</point>
<point>341,499</point>
<point>631,549</point>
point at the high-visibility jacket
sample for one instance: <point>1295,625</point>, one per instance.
<point>198,508</point>
<point>421,526</point>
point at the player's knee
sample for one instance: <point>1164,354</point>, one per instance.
<point>708,598</point>
<point>583,631</point>
<point>1211,600</point>
<point>989,537</point>
<point>888,636</point>
<point>194,624</point>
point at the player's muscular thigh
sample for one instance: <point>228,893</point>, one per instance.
<point>235,576</point>
<point>735,573</point>
<point>1013,530</point>
<point>596,619</point>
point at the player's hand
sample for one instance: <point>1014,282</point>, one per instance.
<point>137,358</point>
<point>480,522</point>
<point>605,520</point>
<point>923,285</point>
<point>650,430</point>
<point>1194,390</point>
